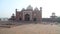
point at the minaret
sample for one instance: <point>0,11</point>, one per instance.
<point>40,8</point>
<point>16,10</point>
<point>16,13</point>
<point>41,11</point>
<point>41,14</point>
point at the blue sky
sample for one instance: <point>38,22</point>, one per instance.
<point>7,7</point>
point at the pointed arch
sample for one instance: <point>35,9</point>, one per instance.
<point>27,17</point>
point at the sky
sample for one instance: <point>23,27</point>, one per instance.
<point>7,7</point>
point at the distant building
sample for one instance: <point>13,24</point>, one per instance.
<point>28,14</point>
<point>53,18</point>
<point>4,19</point>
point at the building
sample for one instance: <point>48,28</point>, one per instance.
<point>28,14</point>
<point>3,19</point>
<point>53,18</point>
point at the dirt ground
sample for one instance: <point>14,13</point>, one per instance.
<point>32,29</point>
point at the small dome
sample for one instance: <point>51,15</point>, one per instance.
<point>29,7</point>
<point>53,14</point>
<point>36,9</point>
<point>23,9</point>
<point>13,14</point>
<point>40,7</point>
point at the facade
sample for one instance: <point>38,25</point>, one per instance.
<point>29,14</point>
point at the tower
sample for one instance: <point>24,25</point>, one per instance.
<point>53,15</point>
<point>16,10</point>
<point>41,11</point>
<point>41,14</point>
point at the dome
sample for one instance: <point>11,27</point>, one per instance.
<point>13,14</point>
<point>36,9</point>
<point>53,14</point>
<point>23,9</point>
<point>29,7</point>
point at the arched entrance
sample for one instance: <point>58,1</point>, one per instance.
<point>20,19</point>
<point>27,17</point>
<point>34,19</point>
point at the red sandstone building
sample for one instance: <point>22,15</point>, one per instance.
<point>28,14</point>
